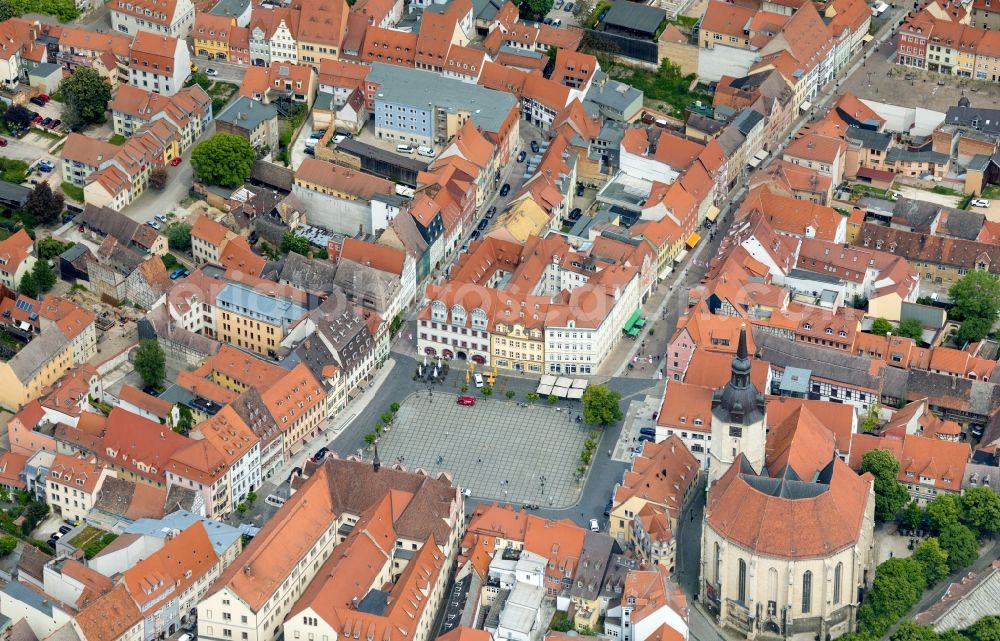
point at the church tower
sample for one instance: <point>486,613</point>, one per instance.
<point>737,418</point>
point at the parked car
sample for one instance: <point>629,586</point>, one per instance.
<point>575,214</point>
<point>468,401</point>
<point>64,529</point>
<point>478,378</point>
<point>491,212</point>
<point>180,272</point>
<point>56,123</point>
<point>557,23</point>
<point>521,156</point>
<point>161,218</point>
<point>37,119</point>
<point>980,202</point>
<point>568,7</point>
<point>37,101</point>
<point>72,522</point>
<point>309,151</point>
<point>176,161</point>
<point>3,142</point>
<point>211,72</point>
<point>316,135</point>
<point>579,189</point>
<point>648,431</point>
<point>474,235</point>
<point>320,453</point>
<point>594,525</point>
<point>504,190</point>
<point>483,223</point>
<point>46,166</point>
<point>46,121</point>
<point>534,147</point>
<point>155,225</point>
<point>44,97</point>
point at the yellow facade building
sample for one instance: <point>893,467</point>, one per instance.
<point>254,321</point>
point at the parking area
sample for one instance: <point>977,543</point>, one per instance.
<point>497,449</point>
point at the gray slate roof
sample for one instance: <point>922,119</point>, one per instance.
<point>247,113</point>
<point>405,86</point>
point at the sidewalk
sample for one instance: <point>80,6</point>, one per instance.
<point>336,425</point>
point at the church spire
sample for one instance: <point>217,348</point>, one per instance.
<point>741,363</point>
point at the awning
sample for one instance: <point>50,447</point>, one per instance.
<point>754,162</point>
<point>868,38</point>
<point>693,239</point>
<point>681,255</point>
<point>713,213</point>
<point>761,154</point>
<point>630,323</point>
<point>806,105</point>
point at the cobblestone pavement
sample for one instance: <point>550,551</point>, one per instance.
<point>496,449</point>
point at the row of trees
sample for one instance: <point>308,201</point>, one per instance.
<point>985,629</point>
<point>910,328</point>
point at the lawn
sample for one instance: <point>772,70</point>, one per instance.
<point>221,92</point>
<point>287,126</point>
<point>665,89</point>
<point>684,21</point>
<point>73,192</point>
<point>991,191</point>
<point>88,534</point>
<point>117,139</point>
<point>46,133</point>
<point>13,171</point>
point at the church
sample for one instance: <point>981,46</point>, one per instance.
<point>787,542</point>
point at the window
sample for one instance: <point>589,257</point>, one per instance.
<point>837,572</point>
<point>735,432</point>
<point>807,581</point>
<point>741,585</point>
<point>718,562</point>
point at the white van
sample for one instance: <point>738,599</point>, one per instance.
<point>425,151</point>
<point>404,149</point>
<point>479,380</point>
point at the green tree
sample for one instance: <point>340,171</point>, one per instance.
<point>290,243</point>
<point>150,362</point>
<point>881,327</point>
<point>985,629</point>
<point>45,278</point>
<point>370,438</point>
<point>17,115</point>
<point>911,517</point>
<point>185,420</point>
<point>934,560</point>
<point>251,497</point>
<point>981,509</point>
<point>890,495</point>
<point>600,405</point>
<point>974,329</point>
<point>531,397</point>
<point>394,407</point>
<point>43,204</point>
<point>223,159</point>
<point>872,419</point>
<point>28,285</point>
<point>242,508</point>
<point>397,320</point>
<point>943,511</point>
<point>486,390</point>
<point>534,8</point>
<point>179,236</point>
<point>6,10</point>
<point>913,631</point>
<point>387,417</point>
<point>7,544</point>
<point>552,399</point>
<point>976,295</point>
<point>897,587</point>
<point>960,544</point>
<point>51,247</point>
<point>510,394</point>
<point>910,328</point>
<point>85,97</point>
<point>158,178</point>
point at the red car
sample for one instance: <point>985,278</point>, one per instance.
<point>44,96</point>
<point>3,142</point>
<point>176,161</point>
<point>37,119</point>
<point>468,401</point>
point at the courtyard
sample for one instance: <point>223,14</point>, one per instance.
<point>497,450</point>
